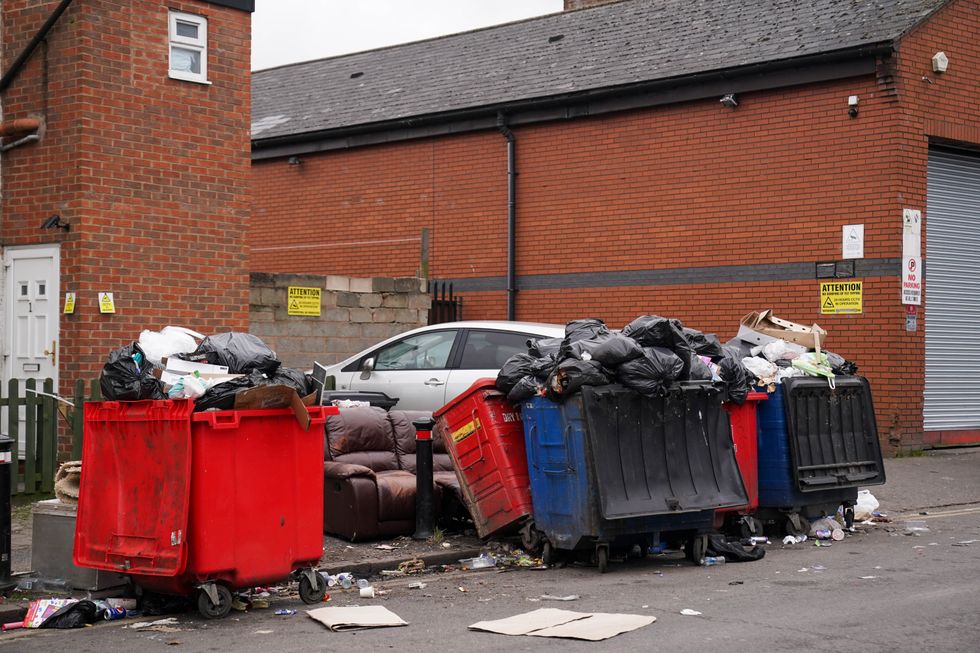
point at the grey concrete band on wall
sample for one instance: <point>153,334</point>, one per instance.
<point>881,267</point>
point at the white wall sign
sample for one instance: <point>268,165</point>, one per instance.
<point>853,240</point>
<point>912,276</point>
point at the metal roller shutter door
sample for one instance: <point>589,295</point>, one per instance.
<point>952,324</point>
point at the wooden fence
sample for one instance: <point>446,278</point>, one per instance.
<point>34,414</point>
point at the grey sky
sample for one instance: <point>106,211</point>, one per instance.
<point>287,31</point>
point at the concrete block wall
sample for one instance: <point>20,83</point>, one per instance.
<point>355,313</point>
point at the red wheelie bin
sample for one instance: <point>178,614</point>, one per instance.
<point>746,440</point>
<point>484,436</point>
<point>203,503</point>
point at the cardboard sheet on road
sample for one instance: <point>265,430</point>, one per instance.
<point>552,622</point>
<point>356,617</point>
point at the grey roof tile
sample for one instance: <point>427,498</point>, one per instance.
<point>611,45</point>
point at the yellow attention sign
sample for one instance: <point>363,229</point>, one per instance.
<point>106,305</point>
<point>841,297</point>
<point>466,430</point>
<point>303,301</point>
<point>69,302</point>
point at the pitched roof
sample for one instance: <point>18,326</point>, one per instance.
<point>558,54</point>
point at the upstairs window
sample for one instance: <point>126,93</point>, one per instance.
<point>188,47</point>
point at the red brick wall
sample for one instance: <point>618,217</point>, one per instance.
<point>941,107</point>
<point>151,172</point>
<point>681,186</point>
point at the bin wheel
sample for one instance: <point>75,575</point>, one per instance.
<point>794,525</point>
<point>849,517</point>
<point>210,610</point>
<point>695,548</point>
<point>751,527</point>
<point>531,538</point>
<point>602,558</point>
<point>547,553</point>
<point>310,594</point>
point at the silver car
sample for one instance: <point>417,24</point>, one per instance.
<point>427,367</point>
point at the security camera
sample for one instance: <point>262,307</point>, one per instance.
<point>852,106</point>
<point>729,100</point>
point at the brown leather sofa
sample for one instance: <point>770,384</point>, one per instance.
<point>369,474</point>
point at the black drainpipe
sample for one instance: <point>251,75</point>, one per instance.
<point>511,215</point>
<point>22,58</point>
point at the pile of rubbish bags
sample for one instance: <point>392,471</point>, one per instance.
<point>214,368</point>
<point>651,353</point>
<point>648,355</point>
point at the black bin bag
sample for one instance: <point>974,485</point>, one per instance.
<point>651,373</point>
<point>656,331</point>
<point>584,329</point>
<point>514,370</point>
<point>609,349</point>
<point>123,379</point>
<point>570,375</point>
<point>241,353</point>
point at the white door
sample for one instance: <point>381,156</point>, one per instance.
<point>31,317</point>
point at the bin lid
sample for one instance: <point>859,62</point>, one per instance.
<point>661,455</point>
<point>833,436</point>
<point>134,494</point>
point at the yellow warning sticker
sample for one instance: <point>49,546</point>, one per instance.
<point>467,430</point>
<point>841,297</point>
<point>69,302</point>
<point>303,301</point>
<point>106,305</point>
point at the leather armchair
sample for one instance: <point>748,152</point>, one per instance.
<point>369,474</point>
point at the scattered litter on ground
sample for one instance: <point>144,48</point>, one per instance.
<point>284,612</point>
<point>550,622</point>
<point>482,561</point>
<point>965,542</point>
<point>867,577</point>
<point>392,573</point>
<point>818,568</point>
<point>263,632</point>
<point>385,547</point>
<point>356,617</point>
<point>737,582</point>
<point>168,625</point>
<point>688,612</point>
<point>916,528</point>
<point>462,589</point>
<point>412,566</point>
<point>552,597</point>
<point>418,585</point>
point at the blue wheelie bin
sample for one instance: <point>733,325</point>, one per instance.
<point>817,445</point>
<point>609,467</point>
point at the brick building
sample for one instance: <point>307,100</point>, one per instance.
<point>696,160</point>
<point>125,170</point>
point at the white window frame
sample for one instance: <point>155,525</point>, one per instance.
<point>199,44</point>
